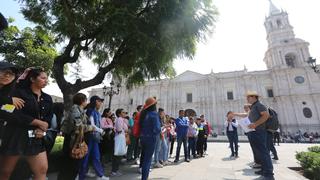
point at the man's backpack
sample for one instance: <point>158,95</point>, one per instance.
<point>272,124</point>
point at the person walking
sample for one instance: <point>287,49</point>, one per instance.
<point>258,115</point>
<point>182,125</point>
<point>150,129</point>
<point>231,126</point>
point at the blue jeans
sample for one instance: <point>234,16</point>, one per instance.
<point>191,146</point>
<point>259,145</point>
<point>164,149</point>
<point>158,143</point>
<point>94,155</point>
<point>233,142</point>
<point>147,148</point>
<point>180,141</point>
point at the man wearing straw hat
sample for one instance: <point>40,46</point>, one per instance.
<point>258,115</point>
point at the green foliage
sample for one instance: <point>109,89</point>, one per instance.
<point>134,39</point>
<point>310,162</point>
<point>28,47</point>
<point>315,149</point>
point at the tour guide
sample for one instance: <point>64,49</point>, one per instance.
<point>258,116</point>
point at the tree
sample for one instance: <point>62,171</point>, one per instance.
<point>28,47</point>
<point>133,39</point>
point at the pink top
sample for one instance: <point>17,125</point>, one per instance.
<point>121,125</point>
<point>106,123</point>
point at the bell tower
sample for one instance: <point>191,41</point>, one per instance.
<point>284,50</point>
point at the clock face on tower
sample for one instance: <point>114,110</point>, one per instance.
<point>299,79</point>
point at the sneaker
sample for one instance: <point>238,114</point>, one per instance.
<point>256,166</point>
<point>90,175</point>
<point>275,158</point>
<point>115,174</point>
<point>103,178</point>
<point>258,172</point>
<point>158,165</point>
<point>187,160</point>
<point>137,162</point>
<point>176,161</point>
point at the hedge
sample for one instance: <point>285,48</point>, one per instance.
<point>310,162</point>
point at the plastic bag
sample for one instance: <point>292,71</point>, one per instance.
<point>120,147</point>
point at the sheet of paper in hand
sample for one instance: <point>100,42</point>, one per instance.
<point>244,123</point>
<point>8,107</point>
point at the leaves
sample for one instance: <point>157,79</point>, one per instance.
<point>133,39</point>
<point>28,47</point>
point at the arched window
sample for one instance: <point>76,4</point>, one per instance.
<point>279,23</point>
<point>307,112</point>
<point>290,60</point>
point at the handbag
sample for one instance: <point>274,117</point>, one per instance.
<point>80,148</point>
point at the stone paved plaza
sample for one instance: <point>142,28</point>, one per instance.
<point>217,165</point>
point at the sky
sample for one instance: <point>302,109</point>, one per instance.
<point>239,37</point>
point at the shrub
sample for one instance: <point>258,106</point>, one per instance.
<point>315,149</point>
<point>310,162</point>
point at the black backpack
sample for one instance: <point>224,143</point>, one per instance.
<point>272,124</point>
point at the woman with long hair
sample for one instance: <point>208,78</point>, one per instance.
<point>150,130</point>
<point>27,140</point>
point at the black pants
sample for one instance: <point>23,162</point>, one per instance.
<point>200,145</point>
<point>137,149</point>
<point>233,142</point>
<point>180,141</point>
<point>69,169</point>
<point>276,138</point>
<point>270,144</point>
<point>116,163</point>
<point>172,144</point>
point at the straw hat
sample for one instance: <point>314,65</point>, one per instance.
<point>252,93</point>
<point>149,102</point>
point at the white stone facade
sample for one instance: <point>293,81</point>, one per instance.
<point>294,85</point>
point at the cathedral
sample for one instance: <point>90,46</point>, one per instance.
<point>288,85</point>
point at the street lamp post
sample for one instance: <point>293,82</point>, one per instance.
<point>111,91</point>
<point>313,64</point>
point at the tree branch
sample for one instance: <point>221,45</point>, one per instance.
<point>144,9</point>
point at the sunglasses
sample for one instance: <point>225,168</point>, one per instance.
<point>7,72</point>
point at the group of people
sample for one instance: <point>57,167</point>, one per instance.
<point>27,114</point>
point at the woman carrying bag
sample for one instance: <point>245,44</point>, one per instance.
<point>120,147</point>
<point>73,128</point>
